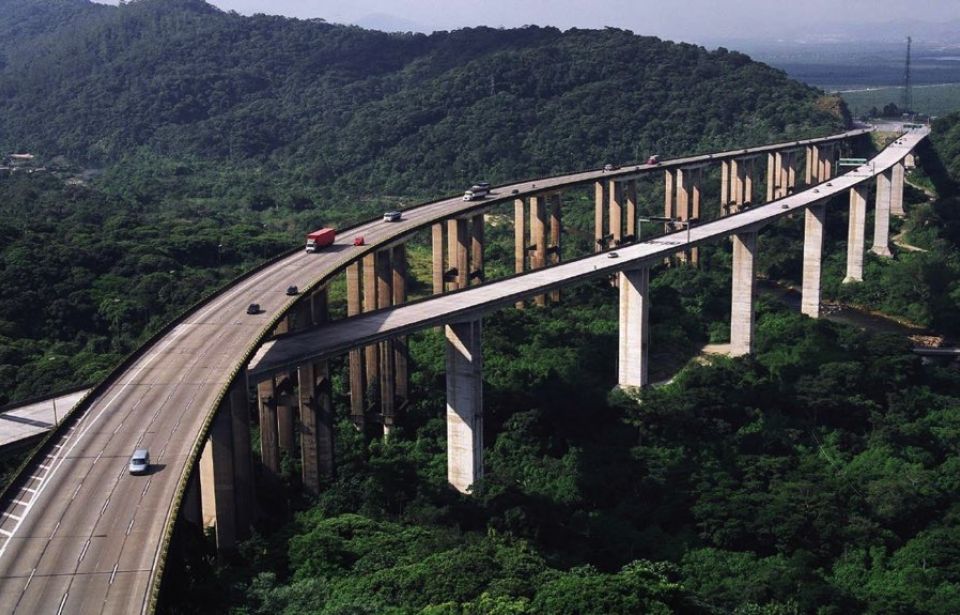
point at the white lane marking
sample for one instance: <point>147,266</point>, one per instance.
<point>130,527</point>
<point>14,517</point>
<point>105,504</point>
<point>35,477</point>
<point>43,467</point>
<point>33,572</point>
<point>63,601</point>
<point>86,546</point>
<point>19,502</point>
<point>113,575</point>
<point>148,359</point>
<point>6,533</point>
<point>56,527</point>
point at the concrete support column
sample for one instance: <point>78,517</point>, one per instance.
<point>725,168</point>
<point>669,193</point>
<point>746,181</point>
<point>400,351</point>
<point>319,307</point>
<point>191,510</point>
<point>519,239</point>
<point>555,248</point>
<point>896,190</point>
<point>630,196</point>
<point>813,221</point>
<point>269,438</point>
<point>744,293</point>
<point>792,164</point>
<point>458,250</point>
<point>316,426</point>
<point>808,165</point>
<point>634,327</point>
<point>855,234</point>
<point>599,204</point>
<point>615,218</point>
<point>774,166</point>
<point>355,357</point>
<point>285,413</point>
<point>438,269</point>
<point>881,220</point>
<point>371,353</point>
<point>476,250</point>
<point>538,238</point>
<point>464,367</point>
<point>217,482</point>
<point>826,162</point>
<point>385,348</point>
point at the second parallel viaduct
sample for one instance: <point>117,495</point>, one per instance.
<point>78,535</point>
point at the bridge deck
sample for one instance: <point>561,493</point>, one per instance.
<point>339,336</point>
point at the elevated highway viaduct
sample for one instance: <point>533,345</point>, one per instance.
<point>78,534</point>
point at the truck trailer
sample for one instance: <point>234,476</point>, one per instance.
<point>320,238</point>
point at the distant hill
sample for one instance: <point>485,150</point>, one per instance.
<point>364,111</point>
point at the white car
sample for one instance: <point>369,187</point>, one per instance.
<point>140,461</point>
<point>392,216</point>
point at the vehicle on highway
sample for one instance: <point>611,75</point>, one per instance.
<point>293,290</point>
<point>610,167</point>
<point>613,255</point>
<point>139,461</point>
<point>253,308</point>
<point>392,216</point>
<point>320,238</point>
<point>477,191</point>
<point>358,240</point>
<point>654,159</point>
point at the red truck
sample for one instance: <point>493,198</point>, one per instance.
<point>320,238</point>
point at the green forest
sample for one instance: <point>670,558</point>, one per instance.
<point>181,145</point>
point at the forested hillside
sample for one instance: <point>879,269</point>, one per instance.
<point>183,143</point>
<point>360,111</point>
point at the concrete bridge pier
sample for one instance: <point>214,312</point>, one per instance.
<point>744,291</point>
<point>269,436</point>
<point>615,218</point>
<point>774,166</point>
<point>226,472</point>
<point>855,234</point>
<point>813,220</point>
<point>355,357</point>
<point>384,274</point>
<point>826,155</point>
<point>630,215</point>
<point>554,249</point>
<point>538,240</point>
<point>520,239</point>
<point>371,353</point>
<point>458,254</point>
<point>476,275</point>
<point>316,426</point>
<point>437,237</point>
<point>600,198</point>
<point>896,190</point>
<point>399,286</point>
<point>464,367</point>
<point>881,220</point>
<point>634,327</point>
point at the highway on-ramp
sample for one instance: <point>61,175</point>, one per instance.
<point>79,534</point>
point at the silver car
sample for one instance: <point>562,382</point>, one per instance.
<point>140,461</point>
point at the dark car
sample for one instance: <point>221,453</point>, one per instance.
<point>253,308</point>
<point>293,290</point>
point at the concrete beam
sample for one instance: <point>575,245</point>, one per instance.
<point>896,190</point>
<point>881,218</point>
<point>855,234</point>
<point>813,221</point>
<point>464,369</point>
<point>634,327</point>
<point>744,290</point>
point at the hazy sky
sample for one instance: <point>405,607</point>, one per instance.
<point>691,20</point>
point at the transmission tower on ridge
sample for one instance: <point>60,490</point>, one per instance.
<point>907,102</point>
